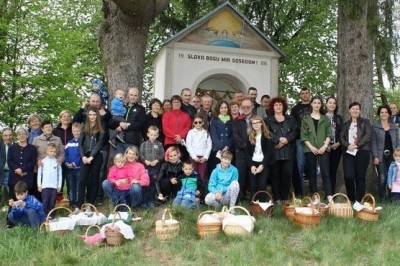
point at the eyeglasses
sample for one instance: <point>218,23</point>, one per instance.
<point>198,122</point>
<point>256,122</point>
<point>247,107</point>
<point>176,102</point>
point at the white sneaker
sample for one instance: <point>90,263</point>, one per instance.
<point>76,211</point>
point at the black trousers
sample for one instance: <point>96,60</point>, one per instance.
<point>243,166</point>
<point>312,161</point>
<point>281,175</point>
<point>89,180</point>
<point>259,182</point>
<point>334,159</point>
<point>354,170</point>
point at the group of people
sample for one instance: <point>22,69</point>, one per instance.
<point>184,150</point>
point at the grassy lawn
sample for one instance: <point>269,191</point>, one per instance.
<point>275,241</point>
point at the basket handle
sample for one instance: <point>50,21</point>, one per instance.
<point>205,212</point>
<point>53,210</point>
<point>165,212</point>
<point>91,206</point>
<point>341,194</point>
<point>311,203</point>
<point>239,207</point>
<point>261,191</point>
<point>87,230</point>
<point>122,205</point>
<point>366,196</point>
<point>293,198</point>
<point>113,220</point>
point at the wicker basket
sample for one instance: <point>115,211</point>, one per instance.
<point>113,237</point>
<point>256,209</point>
<point>87,235</point>
<point>127,220</point>
<point>367,214</point>
<point>87,219</point>
<point>167,229</point>
<point>47,222</point>
<point>307,220</point>
<point>288,209</point>
<point>208,230</point>
<point>235,228</point>
<point>321,207</point>
<point>343,210</point>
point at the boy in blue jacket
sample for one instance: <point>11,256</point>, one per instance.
<point>223,185</point>
<point>27,210</point>
<point>73,164</point>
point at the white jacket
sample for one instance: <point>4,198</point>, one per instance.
<point>198,143</point>
<point>49,174</point>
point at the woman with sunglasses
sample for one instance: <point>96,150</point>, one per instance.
<point>198,144</point>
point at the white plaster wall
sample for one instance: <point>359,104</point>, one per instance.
<point>180,65</point>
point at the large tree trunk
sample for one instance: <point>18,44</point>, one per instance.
<point>123,39</point>
<point>355,59</point>
<point>355,65</point>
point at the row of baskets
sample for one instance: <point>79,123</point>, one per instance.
<point>114,229</point>
<point>316,210</point>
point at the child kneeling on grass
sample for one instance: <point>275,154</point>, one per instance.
<point>192,186</point>
<point>27,210</point>
<point>223,185</point>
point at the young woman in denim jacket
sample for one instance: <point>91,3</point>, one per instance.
<point>385,139</point>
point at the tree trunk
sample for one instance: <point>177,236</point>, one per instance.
<point>355,59</point>
<point>355,65</point>
<point>123,39</point>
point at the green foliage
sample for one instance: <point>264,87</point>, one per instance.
<point>50,54</point>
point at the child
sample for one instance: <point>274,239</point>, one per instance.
<point>260,155</point>
<point>393,181</point>
<point>73,164</point>
<point>27,209</point>
<point>191,189</point>
<point>151,153</point>
<point>118,111</point>
<point>99,88</point>
<point>223,184</point>
<point>167,183</point>
<point>120,178</point>
<point>49,178</point>
<point>198,144</point>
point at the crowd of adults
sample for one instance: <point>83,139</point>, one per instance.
<point>310,138</point>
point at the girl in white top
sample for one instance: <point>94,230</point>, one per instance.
<point>261,156</point>
<point>198,145</point>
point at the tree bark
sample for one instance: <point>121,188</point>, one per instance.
<point>355,67</point>
<point>355,59</point>
<point>123,40</point>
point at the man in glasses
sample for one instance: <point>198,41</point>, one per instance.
<point>241,129</point>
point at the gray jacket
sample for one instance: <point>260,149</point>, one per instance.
<point>378,139</point>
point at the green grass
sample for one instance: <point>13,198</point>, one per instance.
<point>274,241</point>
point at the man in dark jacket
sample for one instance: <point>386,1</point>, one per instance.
<point>135,118</point>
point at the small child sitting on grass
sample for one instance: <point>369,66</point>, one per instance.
<point>27,210</point>
<point>120,178</point>
<point>223,185</point>
<point>192,186</point>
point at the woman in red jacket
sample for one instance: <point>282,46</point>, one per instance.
<point>176,125</point>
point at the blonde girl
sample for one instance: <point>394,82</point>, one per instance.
<point>260,155</point>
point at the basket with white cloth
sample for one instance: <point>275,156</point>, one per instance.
<point>237,225</point>
<point>89,216</point>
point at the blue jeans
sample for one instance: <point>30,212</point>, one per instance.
<point>301,159</point>
<point>73,184</point>
<point>31,217</point>
<point>184,203</point>
<point>5,179</point>
<point>383,169</point>
<point>135,193</point>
